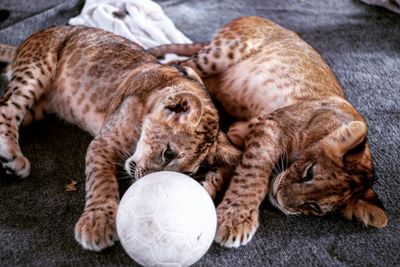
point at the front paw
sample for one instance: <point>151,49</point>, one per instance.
<point>96,229</point>
<point>236,226</point>
<point>213,183</point>
<point>17,166</point>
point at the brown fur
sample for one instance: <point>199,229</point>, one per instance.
<point>129,102</point>
<point>295,121</point>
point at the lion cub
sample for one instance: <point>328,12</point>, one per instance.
<point>129,102</point>
<point>293,110</point>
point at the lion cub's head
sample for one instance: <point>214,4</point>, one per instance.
<point>181,131</point>
<point>332,175</point>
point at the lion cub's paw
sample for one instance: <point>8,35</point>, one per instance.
<point>237,133</point>
<point>236,226</point>
<point>19,166</point>
<point>213,183</point>
<point>96,228</point>
<point>11,162</point>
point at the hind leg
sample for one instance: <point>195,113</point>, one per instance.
<point>37,112</point>
<point>25,89</point>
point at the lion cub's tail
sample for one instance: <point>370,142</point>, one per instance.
<point>7,53</point>
<point>185,50</point>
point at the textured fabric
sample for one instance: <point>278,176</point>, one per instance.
<point>393,5</point>
<point>360,43</point>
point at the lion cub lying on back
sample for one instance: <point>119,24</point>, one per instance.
<point>129,102</point>
<point>293,110</point>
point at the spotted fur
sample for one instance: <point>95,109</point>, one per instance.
<point>120,94</point>
<point>295,121</point>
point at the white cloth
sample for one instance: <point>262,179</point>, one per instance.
<point>141,21</point>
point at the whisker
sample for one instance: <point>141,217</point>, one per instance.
<point>205,165</point>
<point>120,164</point>
<point>124,178</point>
<point>287,160</point>
<point>121,152</point>
<point>275,168</point>
<point>284,160</point>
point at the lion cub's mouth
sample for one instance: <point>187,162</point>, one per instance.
<point>273,195</point>
<point>133,170</point>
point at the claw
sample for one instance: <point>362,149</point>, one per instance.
<point>98,235</point>
<point>236,229</point>
<point>4,160</point>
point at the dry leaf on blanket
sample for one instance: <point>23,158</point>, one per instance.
<point>71,186</point>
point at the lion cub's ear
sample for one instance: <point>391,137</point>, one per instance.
<point>225,152</point>
<point>343,139</point>
<point>183,108</point>
<point>368,209</point>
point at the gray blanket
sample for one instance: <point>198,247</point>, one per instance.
<point>362,45</point>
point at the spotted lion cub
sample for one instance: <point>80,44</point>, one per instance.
<point>292,110</point>
<point>129,102</point>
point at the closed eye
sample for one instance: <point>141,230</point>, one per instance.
<point>308,173</point>
<point>168,154</point>
<point>315,207</point>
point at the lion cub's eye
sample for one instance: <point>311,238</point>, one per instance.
<point>315,207</point>
<point>169,154</point>
<point>308,173</point>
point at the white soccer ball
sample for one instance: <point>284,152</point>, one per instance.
<point>166,219</point>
